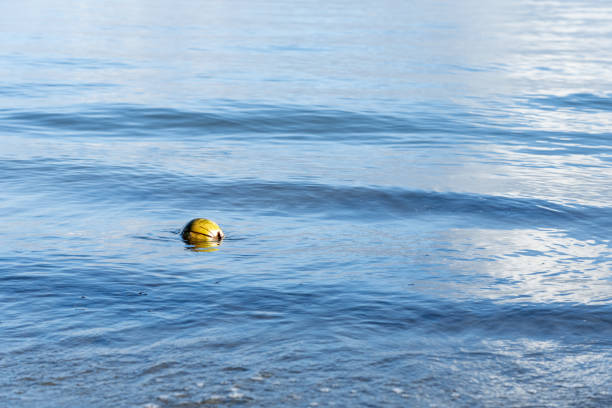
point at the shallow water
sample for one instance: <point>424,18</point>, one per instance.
<point>416,199</point>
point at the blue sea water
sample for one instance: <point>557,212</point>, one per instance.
<point>416,198</point>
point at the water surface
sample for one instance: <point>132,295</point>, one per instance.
<point>416,198</point>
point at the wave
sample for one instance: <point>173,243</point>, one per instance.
<point>95,183</point>
<point>577,101</point>
<point>349,305</point>
<point>229,120</point>
<point>393,311</point>
<point>133,120</point>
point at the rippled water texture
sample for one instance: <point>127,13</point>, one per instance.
<point>415,196</point>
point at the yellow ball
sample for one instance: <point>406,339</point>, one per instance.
<point>200,230</point>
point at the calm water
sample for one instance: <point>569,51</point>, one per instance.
<point>416,198</point>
